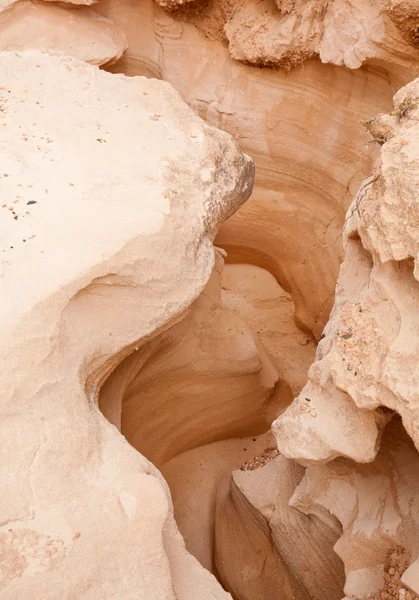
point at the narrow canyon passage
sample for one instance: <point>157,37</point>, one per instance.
<point>209,276</point>
<point>198,402</point>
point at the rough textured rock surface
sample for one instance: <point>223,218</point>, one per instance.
<point>302,128</point>
<point>365,369</point>
<point>81,32</point>
<point>376,505</point>
<point>94,204</point>
<point>181,355</point>
<point>342,32</point>
<point>366,359</point>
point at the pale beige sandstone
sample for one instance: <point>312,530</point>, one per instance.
<point>302,129</point>
<point>265,548</point>
<point>343,32</point>
<point>366,362</point>
<point>376,504</point>
<point>205,379</point>
<point>187,378</point>
<point>255,295</point>
<point>262,33</point>
<point>283,527</point>
<point>410,577</point>
<point>365,370</point>
<point>106,241</point>
<point>80,32</point>
<point>193,478</point>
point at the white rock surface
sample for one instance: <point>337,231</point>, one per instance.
<point>80,32</point>
<point>112,192</point>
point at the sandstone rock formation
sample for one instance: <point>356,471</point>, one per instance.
<point>82,32</point>
<point>365,369</point>
<point>255,295</point>
<point>116,304</point>
<point>284,34</point>
<point>366,359</point>
<point>194,477</point>
<point>376,505</point>
<point>302,129</point>
<point>94,206</point>
<point>177,392</point>
<point>264,547</point>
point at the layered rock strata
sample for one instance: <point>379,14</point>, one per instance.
<point>207,378</point>
<point>302,129</point>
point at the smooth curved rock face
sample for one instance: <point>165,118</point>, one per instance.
<point>82,32</point>
<point>265,548</point>
<point>194,477</point>
<point>207,378</point>
<point>255,295</point>
<point>366,363</point>
<point>106,240</point>
<point>301,128</point>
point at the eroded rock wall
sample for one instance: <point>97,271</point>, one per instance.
<point>205,379</point>
<point>302,128</point>
<point>180,354</point>
<point>106,240</point>
<point>365,370</point>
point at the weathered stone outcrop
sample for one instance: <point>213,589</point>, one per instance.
<point>115,302</point>
<point>284,34</point>
<point>80,32</point>
<point>376,505</point>
<point>365,369</point>
<point>301,128</point>
<point>366,360</point>
<point>106,241</point>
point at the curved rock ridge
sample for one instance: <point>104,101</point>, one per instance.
<point>207,378</point>
<point>80,32</point>
<point>301,128</point>
<point>106,240</point>
<point>365,363</point>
